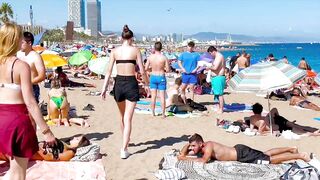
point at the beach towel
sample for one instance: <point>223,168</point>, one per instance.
<point>317,119</point>
<point>221,170</point>
<point>234,107</point>
<point>63,170</point>
<point>148,103</point>
<point>87,153</point>
<point>142,110</point>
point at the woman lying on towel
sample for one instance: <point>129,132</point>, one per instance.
<point>298,99</point>
<point>61,152</point>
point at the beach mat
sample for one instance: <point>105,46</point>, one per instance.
<point>234,107</point>
<point>148,103</point>
<point>62,170</point>
<point>230,170</point>
<point>171,167</point>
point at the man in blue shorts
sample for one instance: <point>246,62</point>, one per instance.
<point>159,65</point>
<point>188,62</point>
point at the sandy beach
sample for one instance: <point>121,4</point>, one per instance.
<point>153,136</point>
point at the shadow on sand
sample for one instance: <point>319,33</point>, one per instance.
<point>96,136</point>
<point>156,144</point>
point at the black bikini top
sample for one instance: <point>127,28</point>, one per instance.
<point>134,62</point>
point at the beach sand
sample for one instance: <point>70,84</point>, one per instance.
<point>153,136</point>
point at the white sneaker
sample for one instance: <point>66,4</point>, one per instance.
<point>124,154</point>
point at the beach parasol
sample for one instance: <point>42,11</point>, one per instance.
<point>38,48</point>
<point>266,77</point>
<point>80,58</point>
<point>317,79</point>
<point>99,65</point>
<point>49,52</point>
<point>52,60</point>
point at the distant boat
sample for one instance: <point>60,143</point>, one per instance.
<point>299,47</point>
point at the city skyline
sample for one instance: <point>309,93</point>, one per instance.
<point>248,17</point>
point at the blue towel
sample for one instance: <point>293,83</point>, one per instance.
<point>237,107</point>
<point>317,119</point>
<point>148,103</point>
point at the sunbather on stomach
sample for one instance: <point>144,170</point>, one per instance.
<point>298,99</point>
<point>68,153</point>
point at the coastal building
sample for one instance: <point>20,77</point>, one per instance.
<point>76,12</point>
<point>33,29</point>
<point>94,17</point>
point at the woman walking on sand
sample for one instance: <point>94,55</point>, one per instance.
<point>126,89</point>
<point>18,139</point>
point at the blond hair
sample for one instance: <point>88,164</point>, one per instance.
<point>10,36</point>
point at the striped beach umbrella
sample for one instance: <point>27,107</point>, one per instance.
<point>317,79</point>
<point>266,77</point>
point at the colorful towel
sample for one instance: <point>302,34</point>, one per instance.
<point>217,170</point>
<point>142,110</point>
<point>317,119</point>
<point>63,170</point>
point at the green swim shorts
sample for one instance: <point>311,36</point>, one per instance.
<point>218,84</point>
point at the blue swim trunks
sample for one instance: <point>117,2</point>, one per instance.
<point>218,84</point>
<point>189,78</point>
<point>158,82</point>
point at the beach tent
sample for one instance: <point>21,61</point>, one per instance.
<point>266,77</point>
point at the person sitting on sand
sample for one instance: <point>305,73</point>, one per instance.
<point>66,82</point>
<point>262,123</point>
<point>211,150</point>
<point>173,97</point>
<point>69,150</point>
<point>298,99</point>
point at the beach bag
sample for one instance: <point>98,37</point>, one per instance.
<point>196,106</point>
<point>301,170</point>
<point>198,90</point>
<point>87,153</point>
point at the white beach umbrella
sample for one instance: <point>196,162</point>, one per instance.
<point>49,52</point>
<point>266,77</point>
<point>317,79</point>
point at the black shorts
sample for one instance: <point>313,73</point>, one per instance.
<point>246,154</point>
<point>126,87</point>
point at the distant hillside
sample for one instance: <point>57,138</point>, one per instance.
<point>206,36</point>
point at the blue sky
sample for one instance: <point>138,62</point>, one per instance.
<point>249,17</point>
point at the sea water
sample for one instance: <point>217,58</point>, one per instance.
<point>293,51</point>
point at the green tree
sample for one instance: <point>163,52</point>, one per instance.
<point>6,12</point>
<point>54,35</point>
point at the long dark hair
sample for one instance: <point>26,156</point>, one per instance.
<point>82,143</point>
<point>126,33</point>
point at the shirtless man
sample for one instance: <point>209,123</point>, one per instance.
<point>27,54</point>
<point>159,65</point>
<point>215,151</point>
<point>242,61</point>
<point>262,123</point>
<point>218,82</point>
